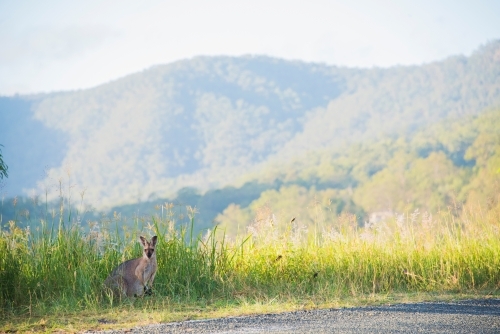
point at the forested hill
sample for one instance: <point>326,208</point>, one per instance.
<point>210,122</point>
<point>451,167</point>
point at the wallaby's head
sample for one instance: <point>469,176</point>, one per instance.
<point>149,247</point>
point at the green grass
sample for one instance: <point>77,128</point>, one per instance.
<point>51,275</point>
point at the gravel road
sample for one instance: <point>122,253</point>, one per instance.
<point>471,316</point>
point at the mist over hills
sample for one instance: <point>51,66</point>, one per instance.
<point>210,122</point>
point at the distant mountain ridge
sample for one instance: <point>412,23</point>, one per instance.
<point>208,122</point>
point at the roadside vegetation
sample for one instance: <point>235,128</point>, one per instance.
<point>51,273</point>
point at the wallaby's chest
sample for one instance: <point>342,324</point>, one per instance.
<point>146,269</point>
<point>150,268</point>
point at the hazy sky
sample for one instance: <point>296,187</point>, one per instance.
<point>62,44</point>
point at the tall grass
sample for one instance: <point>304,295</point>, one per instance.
<point>410,253</point>
<point>60,267</point>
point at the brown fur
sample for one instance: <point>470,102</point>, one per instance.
<point>134,277</point>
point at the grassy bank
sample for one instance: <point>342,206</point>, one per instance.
<point>51,274</point>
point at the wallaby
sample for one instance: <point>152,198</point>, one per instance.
<point>133,278</point>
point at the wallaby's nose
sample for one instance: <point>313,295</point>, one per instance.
<point>149,252</point>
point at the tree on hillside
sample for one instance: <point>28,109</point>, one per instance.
<point>410,182</point>
<point>3,166</point>
<point>484,187</point>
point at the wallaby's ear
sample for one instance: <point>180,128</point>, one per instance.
<point>153,240</point>
<point>143,240</point>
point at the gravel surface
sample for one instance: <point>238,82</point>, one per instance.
<point>471,316</point>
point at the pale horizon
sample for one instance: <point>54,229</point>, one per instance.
<point>60,46</point>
